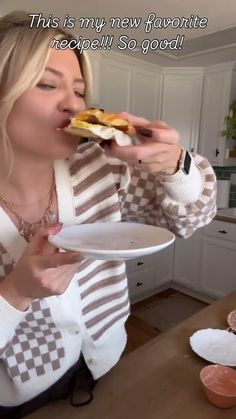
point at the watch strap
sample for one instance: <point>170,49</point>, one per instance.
<point>185,161</point>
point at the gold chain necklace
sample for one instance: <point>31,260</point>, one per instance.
<point>28,230</point>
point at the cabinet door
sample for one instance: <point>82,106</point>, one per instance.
<point>212,119</point>
<point>147,273</point>
<point>141,284</point>
<point>218,88</point>
<point>218,268</point>
<point>146,93</point>
<point>187,261</point>
<point>95,61</point>
<point>164,265</point>
<point>116,79</point>
<point>181,103</point>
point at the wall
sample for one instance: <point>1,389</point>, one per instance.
<point>224,172</point>
<point>221,54</point>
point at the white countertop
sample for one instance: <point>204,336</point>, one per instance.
<point>226,214</point>
<point>229,212</point>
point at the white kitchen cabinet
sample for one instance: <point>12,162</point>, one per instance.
<point>219,90</point>
<point>95,60</point>
<point>116,84</point>
<point>187,261</point>
<point>146,93</point>
<point>148,273</point>
<point>141,284</point>
<point>181,102</point>
<point>130,85</point>
<point>218,259</point>
<point>194,101</point>
<point>173,95</point>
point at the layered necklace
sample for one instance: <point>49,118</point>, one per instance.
<point>26,229</point>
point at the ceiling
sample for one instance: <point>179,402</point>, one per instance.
<point>216,42</point>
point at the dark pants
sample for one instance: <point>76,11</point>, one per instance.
<point>77,380</point>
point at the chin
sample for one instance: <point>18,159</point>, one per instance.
<point>67,152</point>
<point>66,146</point>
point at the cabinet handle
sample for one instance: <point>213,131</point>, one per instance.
<point>140,263</point>
<point>139,283</point>
<point>217,152</point>
<point>192,149</point>
<point>223,231</point>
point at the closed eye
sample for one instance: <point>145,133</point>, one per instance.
<point>80,94</point>
<point>45,86</point>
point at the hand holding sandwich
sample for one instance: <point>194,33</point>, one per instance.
<point>159,149</point>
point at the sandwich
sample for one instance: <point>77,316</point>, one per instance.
<point>94,123</point>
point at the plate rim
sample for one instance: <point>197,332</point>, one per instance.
<point>114,251</point>
<point>207,358</point>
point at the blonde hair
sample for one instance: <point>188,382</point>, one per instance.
<point>24,52</point>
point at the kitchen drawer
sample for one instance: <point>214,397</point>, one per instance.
<point>221,230</point>
<point>141,263</point>
<point>141,282</point>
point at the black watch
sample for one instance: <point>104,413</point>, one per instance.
<point>185,162</point>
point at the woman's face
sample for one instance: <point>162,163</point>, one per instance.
<point>33,123</point>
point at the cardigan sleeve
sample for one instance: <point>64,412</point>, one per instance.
<point>10,317</point>
<point>177,202</point>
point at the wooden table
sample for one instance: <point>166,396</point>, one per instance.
<point>160,380</point>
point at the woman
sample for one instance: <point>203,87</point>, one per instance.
<point>62,316</point>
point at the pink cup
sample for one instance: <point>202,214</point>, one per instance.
<point>219,383</point>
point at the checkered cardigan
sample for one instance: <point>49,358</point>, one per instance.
<point>33,349</point>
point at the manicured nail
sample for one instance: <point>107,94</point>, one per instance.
<point>54,228</point>
<point>55,225</point>
<point>105,143</point>
<point>146,132</point>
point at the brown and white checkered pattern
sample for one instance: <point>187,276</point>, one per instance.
<point>139,202</point>
<point>146,201</point>
<point>6,263</point>
<point>36,347</point>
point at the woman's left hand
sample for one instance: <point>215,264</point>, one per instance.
<point>159,149</point>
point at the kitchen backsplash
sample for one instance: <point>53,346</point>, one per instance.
<point>224,172</point>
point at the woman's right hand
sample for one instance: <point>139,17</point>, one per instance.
<point>41,271</point>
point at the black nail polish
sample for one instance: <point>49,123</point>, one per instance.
<point>146,132</point>
<point>105,143</point>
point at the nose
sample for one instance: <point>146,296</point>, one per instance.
<point>70,103</point>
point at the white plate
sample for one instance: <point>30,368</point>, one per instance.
<point>113,241</point>
<point>215,345</point>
